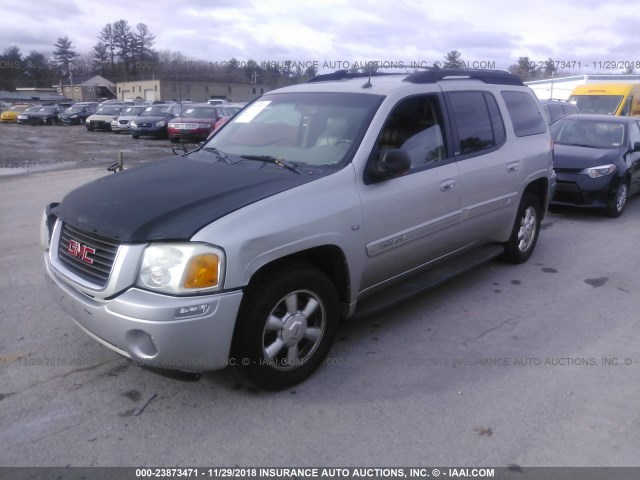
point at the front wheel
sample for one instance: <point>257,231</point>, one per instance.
<point>285,327</point>
<point>618,200</point>
<point>525,231</point>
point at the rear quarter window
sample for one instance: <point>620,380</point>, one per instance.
<point>526,117</point>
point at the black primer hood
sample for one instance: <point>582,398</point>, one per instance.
<point>172,199</point>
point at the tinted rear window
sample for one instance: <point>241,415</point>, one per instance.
<point>525,115</point>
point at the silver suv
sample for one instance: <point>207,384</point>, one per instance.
<point>318,202</point>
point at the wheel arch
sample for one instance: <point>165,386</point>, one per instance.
<point>540,189</point>
<point>330,259</point>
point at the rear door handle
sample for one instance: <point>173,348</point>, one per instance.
<point>447,185</point>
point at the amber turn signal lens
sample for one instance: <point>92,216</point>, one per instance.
<point>202,271</point>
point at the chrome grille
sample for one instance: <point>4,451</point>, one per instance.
<point>96,266</point>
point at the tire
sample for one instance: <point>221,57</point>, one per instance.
<point>174,140</point>
<point>134,136</point>
<point>526,229</point>
<point>618,200</point>
<point>89,128</point>
<point>286,326</point>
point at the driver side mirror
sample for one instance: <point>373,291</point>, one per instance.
<point>392,163</point>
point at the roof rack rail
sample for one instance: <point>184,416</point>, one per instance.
<point>345,74</point>
<point>496,77</point>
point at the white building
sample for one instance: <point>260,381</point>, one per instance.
<point>561,88</point>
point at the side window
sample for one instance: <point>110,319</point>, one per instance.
<point>626,110</point>
<point>473,121</point>
<point>555,112</point>
<point>525,114</point>
<point>416,126</point>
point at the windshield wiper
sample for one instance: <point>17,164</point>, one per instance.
<point>221,155</point>
<point>274,160</point>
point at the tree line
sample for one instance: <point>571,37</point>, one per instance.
<point>126,53</point>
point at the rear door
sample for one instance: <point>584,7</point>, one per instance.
<point>633,158</point>
<point>489,178</point>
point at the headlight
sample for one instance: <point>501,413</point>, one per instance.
<point>161,123</point>
<point>205,125</point>
<point>600,171</point>
<point>75,115</point>
<point>133,123</point>
<point>182,268</point>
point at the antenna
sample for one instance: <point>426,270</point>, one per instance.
<point>368,84</point>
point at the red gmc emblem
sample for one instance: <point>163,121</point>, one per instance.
<point>76,249</point>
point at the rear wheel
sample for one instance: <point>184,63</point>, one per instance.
<point>285,327</point>
<point>525,231</point>
<point>618,201</point>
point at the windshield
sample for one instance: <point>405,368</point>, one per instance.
<point>156,111</point>
<point>319,129</point>
<point>199,112</point>
<point>588,133</point>
<point>74,110</point>
<point>601,104</point>
<point>36,108</point>
<point>133,110</point>
<point>109,111</point>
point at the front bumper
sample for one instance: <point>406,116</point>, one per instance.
<point>189,133</point>
<point>190,334</point>
<point>98,125</point>
<point>158,132</point>
<point>583,191</point>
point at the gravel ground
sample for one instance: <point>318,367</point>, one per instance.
<point>27,148</point>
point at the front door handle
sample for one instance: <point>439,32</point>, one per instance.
<point>447,185</point>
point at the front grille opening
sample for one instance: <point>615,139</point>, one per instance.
<point>87,255</point>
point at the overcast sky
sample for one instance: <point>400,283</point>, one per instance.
<point>493,33</point>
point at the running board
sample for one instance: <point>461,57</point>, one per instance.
<point>424,281</point>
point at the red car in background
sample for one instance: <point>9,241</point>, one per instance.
<point>196,122</point>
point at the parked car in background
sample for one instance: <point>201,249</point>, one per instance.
<point>120,124</point>
<point>153,121</point>
<point>597,161</point>
<point>10,115</point>
<point>24,117</point>
<point>554,109</point>
<point>101,119</point>
<point>78,113</point>
<point>217,101</point>
<point>47,115</point>
<point>196,122</point>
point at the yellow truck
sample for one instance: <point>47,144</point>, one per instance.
<point>608,98</point>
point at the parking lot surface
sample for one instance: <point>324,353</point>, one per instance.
<point>30,148</point>
<point>530,365</point>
